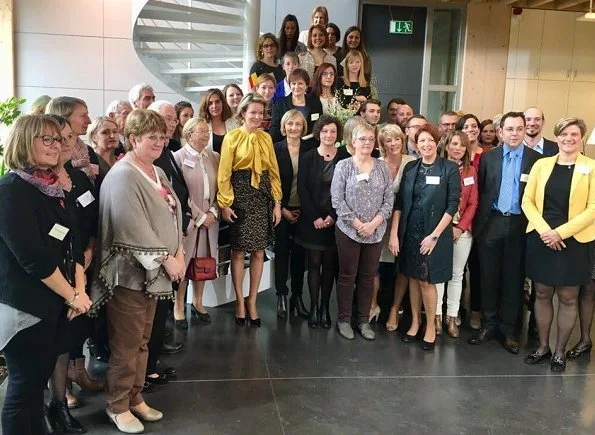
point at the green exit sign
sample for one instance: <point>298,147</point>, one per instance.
<point>401,27</point>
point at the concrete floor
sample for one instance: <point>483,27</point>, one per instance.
<point>285,378</point>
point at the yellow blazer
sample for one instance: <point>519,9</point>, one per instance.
<point>581,210</point>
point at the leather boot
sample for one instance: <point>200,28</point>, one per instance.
<point>297,303</point>
<point>77,373</point>
<point>62,418</point>
<point>282,306</point>
<point>325,315</point>
<point>314,320</point>
<point>49,427</point>
<point>451,326</point>
<point>438,324</point>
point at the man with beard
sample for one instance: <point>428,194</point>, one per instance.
<point>533,139</point>
<point>392,108</point>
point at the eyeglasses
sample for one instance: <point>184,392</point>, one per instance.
<point>328,74</point>
<point>49,140</point>
<point>268,46</point>
<point>448,124</point>
<point>370,139</point>
<point>170,120</point>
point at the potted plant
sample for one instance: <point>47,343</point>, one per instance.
<point>9,111</point>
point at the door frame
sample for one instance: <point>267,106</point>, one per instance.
<point>430,6</point>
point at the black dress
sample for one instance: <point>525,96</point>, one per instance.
<point>570,266</point>
<point>414,264</point>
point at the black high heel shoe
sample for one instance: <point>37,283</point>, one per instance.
<point>62,418</point>
<point>296,303</point>
<point>203,317</point>
<point>579,350</point>
<point>314,319</point>
<point>252,322</point>
<point>282,307</point>
<point>240,321</point>
<point>426,345</point>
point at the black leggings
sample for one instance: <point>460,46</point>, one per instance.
<point>30,359</point>
<point>322,269</point>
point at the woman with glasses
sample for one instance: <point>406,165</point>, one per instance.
<point>199,166</point>
<point>267,57</point>
<point>362,196</point>
<point>41,268</point>
<point>323,86</point>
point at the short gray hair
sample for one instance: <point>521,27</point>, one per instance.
<point>157,105</point>
<point>113,106</point>
<point>136,91</point>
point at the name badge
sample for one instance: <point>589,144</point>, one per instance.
<point>314,116</point>
<point>524,178</point>
<point>584,169</point>
<point>190,163</point>
<point>86,198</point>
<point>362,177</point>
<point>468,181</point>
<point>432,179</point>
<point>348,92</point>
<point>58,232</point>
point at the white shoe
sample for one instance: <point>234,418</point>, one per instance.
<point>131,426</point>
<point>149,415</point>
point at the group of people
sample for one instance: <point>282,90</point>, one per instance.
<point>103,234</point>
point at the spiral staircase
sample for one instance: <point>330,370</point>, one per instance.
<point>193,45</point>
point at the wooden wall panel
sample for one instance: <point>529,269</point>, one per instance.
<point>485,56</point>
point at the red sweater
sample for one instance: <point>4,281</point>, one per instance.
<point>469,197</point>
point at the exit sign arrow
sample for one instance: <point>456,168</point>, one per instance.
<point>401,27</point>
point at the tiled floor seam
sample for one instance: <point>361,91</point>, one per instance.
<point>274,397</point>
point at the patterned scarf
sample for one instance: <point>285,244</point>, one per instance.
<point>45,180</point>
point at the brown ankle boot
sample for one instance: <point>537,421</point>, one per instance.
<point>77,373</point>
<point>438,324</point>
<point>451,326</point>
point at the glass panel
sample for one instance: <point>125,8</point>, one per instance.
<point>445,46</point>
<point>439,102</point>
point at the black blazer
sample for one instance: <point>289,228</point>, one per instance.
<point>167,162</point>
<point>28,253</point>
<point>490,177</point>
<point>86,217</point>
<point>286,168</point>
<point>310,173</point>
<point>285,104</point>
<point>437,199</point>
<point>550,148</point>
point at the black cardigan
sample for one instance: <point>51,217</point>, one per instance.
<point>286,168</point>
<point>86,217</point>
<point>28,253</point>
<point>310,171</point>
<point>436,200</point>
<point>283,105</point>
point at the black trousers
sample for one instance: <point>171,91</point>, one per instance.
<point>30,358</point>
<point>474,278</point>
<point>502,270</point>
<point>157,334</point>
<point>290,259</point>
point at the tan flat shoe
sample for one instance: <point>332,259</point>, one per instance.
<point>451,326</point>
<point>126,425</point>
<point>148,415</point>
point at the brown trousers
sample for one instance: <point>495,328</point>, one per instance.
<point>130,316</point>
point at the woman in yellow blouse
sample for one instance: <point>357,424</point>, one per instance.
<point>559,202</point>
<point>250,199</point>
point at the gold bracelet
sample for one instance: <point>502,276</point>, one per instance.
<point>74,298</point>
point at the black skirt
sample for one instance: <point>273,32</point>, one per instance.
<point>569,267</point>
<point>253,230</point>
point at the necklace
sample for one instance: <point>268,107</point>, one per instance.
<point>425,168</point>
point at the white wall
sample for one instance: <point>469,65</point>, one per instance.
<point>83,48</point>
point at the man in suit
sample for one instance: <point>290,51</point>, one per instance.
<point>535,118</point>
<point>392,109</point>
<point>448,122</point>
<point>499,227</point>
<point>412,125</point>
<point>370,112</point>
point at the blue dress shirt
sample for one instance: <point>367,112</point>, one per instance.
<point>517,155</point>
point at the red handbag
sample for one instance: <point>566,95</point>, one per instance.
<point>202,268</point>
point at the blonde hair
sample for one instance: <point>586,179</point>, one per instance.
<point>564,123</point>
<point>249,98</point>
<point>361,79</point>
<point>260,43</point>
<point>293,113</point>
<point>95,126</point>
<point>394,131</point>
<point>263,78</point>
<point>18,151</point>
<point>141,121</point>
<point>63,106</point>
<point>39,104</point>
<point>190,124</point>
<point>320,9</point>
<point>348,128</point>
